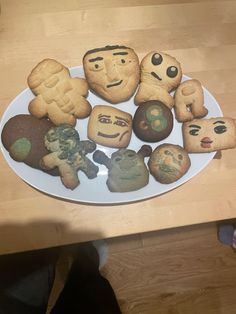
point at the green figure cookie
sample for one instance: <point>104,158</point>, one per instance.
<point>126,168</point>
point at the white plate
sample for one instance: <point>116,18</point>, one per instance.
<point>95,191</point>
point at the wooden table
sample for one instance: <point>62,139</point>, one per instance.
<point>200,34</point>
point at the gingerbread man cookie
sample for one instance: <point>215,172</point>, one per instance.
<point>67,153</point>
<point>189,101</point>
<point>58,96</point>
<point>160,74</point>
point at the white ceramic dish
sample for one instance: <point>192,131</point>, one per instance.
<point>95,191</point>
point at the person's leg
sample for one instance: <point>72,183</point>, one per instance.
<point>26,280</point>
<point>85,290</point>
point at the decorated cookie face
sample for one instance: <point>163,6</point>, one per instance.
<point>109,126</point>
<point>112,72</point>
<point>152,121</point>
<point>126,169</point>
<point>161,69</point>
<point>168,163</point>
<point>209,135</point>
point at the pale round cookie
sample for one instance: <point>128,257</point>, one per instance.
<point>168,163</point>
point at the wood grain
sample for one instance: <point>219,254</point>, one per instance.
<point>183,270</point>
<point>201,34</point>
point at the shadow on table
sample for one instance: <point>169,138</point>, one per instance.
<point>28,246</point>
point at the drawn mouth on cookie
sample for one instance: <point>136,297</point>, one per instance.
<point>108,135</point>
<point>114,84</point>
<point>156,76</point>
<point>206,142</point>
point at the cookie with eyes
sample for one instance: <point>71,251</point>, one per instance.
<point>168,163</point>
<point>112,72</point>
<point>127,170</point>
<point>160,74</point>
<point>110,126</point>
<point>152,121</point>
<point>208,135</point>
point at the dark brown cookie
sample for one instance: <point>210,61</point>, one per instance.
<point>23,137</point>
<point>168,163</point>
<point>153,121</point>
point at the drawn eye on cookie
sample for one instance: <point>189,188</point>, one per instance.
<point>96,64</point>
<point>157,59</point>
<point>172,71</point>
<point>194,129</point>
<point>221,128</point>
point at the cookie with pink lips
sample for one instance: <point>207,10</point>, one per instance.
<point>208,135</point>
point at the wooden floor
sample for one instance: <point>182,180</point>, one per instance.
<point>180,271</point>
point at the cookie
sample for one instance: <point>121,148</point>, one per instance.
<point>160,74</point>
<point>208,135</point>
<point>110,126</point>
<point>58,96</point>
<point>68,155</point>
<point>127,170</point>
<point>168,163</point>
<point>23,137</point>
<point>112,72</point>
<point>189,101</point>
<point>152,121</point>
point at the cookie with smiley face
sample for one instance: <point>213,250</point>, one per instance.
<point>160,74</point>
<point>152,121</point>
<point>208,135</point>
<point>112,72</point>
<point>110,126</point>
<point>168,163</point>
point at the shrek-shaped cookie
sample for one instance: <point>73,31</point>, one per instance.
<point>23,137</point>
<point>152,121</point>
<point>160,74</point>
<point>209,135</point>
<point>126,168</point>
<point>168,163</point>
<point>112,72</point>
<point>59,97</point>
<point>68,154</point>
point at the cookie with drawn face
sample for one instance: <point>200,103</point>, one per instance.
<point>152,121</point>
<point>127,170</point>
<point>112,72</point>
<point>110,126</point>
<point>168,163</point>
<point>160,74</point>
<point>208,135</point>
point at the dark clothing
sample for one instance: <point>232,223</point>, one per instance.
<point>26,281</point>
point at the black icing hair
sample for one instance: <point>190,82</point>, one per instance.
<point>105,49</point>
